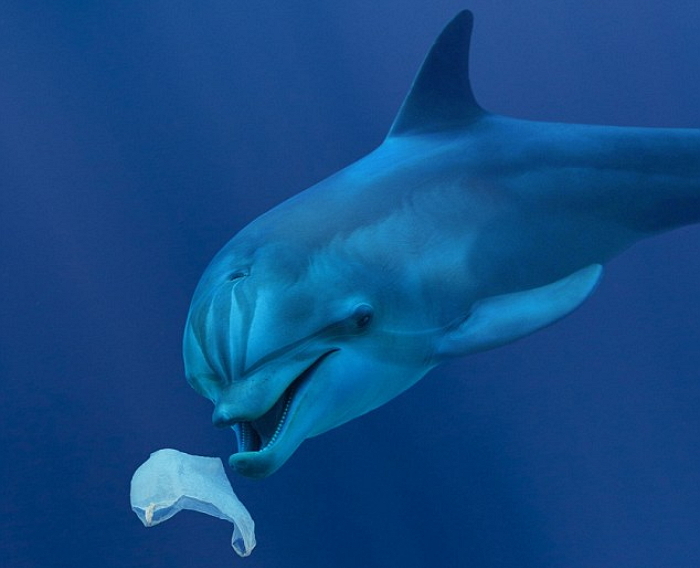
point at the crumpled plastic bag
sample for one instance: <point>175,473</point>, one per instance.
<point>170,481</point>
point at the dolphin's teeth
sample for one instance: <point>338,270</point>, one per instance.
<point>282,420</point>
<point>246,437</point>
<point>258,435</point>
<point>262,433</point>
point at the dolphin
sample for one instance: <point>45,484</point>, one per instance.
<point>463,231</point>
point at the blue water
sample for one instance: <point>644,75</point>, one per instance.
<point>136,138</point>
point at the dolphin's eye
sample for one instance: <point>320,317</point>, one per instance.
<point>357,322</point>
<point>237,275</point>
<point>363,316</point>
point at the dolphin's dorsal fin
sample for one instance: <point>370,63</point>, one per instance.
<point>441,97</point>
<point>501,319</point>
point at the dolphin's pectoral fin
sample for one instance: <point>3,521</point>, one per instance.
<point>501,319</point>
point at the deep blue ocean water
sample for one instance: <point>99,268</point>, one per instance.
<point>137,137</point>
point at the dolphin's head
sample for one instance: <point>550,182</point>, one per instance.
<point>288,345</point>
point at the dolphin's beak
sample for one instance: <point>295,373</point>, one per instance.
<point>257,402</point>
<point>266,442</point>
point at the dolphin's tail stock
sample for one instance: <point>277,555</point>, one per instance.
<point>647,179</point>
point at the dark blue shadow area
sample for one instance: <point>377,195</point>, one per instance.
<point>137,138</point>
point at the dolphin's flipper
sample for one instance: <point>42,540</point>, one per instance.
<point>441,96</point>
<point>501,319</point>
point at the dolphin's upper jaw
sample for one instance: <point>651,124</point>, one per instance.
<point>262,443</point>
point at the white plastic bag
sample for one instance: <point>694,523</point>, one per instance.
<point>170,481</point>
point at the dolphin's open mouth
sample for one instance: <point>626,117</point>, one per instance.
<point>261,434</point>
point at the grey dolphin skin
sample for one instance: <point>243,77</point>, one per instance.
<point>462,231</point>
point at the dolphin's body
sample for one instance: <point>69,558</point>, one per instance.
<point>463,231</point>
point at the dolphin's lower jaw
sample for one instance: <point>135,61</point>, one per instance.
<point>265,443</point>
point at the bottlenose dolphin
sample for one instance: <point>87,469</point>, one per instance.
<point>462,231</point>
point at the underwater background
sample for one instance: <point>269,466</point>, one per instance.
<point>137,137</point>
